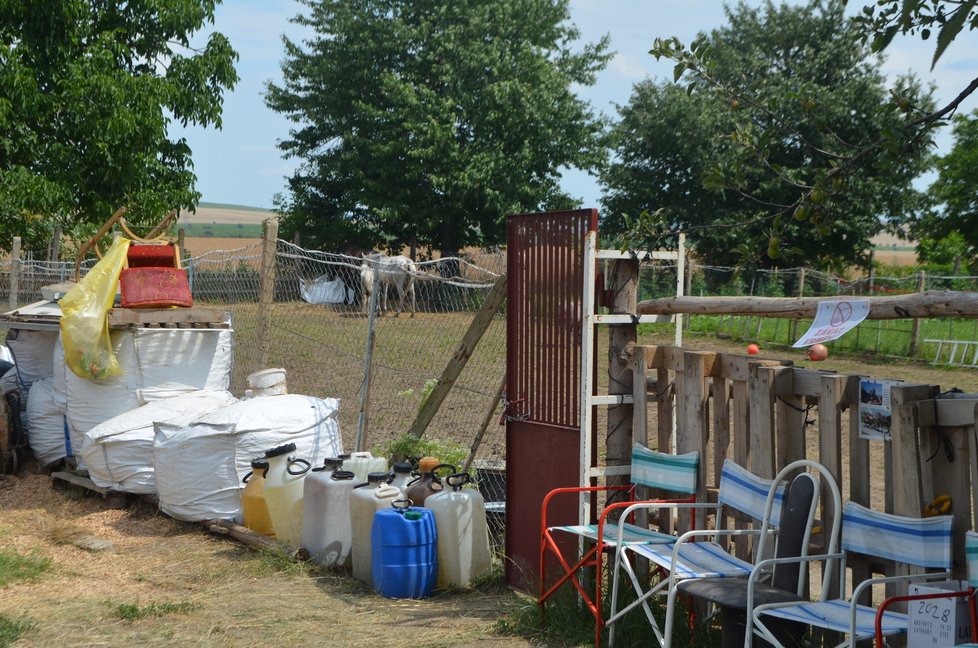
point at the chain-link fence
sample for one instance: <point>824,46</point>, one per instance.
<point>939,341</point>
<point>316,326</point>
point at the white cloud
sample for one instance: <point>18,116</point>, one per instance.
<point>628,67</point>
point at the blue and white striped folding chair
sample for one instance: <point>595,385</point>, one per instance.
<point>922,542</point>
<point>672,473</point>
<point>699,554</point>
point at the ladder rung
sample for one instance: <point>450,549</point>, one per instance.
<point>640,255</point>
<point>630,319</point>
<point>608,471</point>
<point>613,399</point>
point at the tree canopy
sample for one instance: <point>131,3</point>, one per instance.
<point>88,90</point>
<point>426,121</point>
<point>951,226</point>
<point>753,150</point>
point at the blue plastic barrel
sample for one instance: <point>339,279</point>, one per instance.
<point>404,553</point>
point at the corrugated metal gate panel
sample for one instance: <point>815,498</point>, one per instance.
<point>545,276</point>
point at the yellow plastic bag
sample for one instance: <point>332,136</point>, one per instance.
<point>84,317</point>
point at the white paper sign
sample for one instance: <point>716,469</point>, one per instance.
<point>833,319</point>
<point>875,416</point>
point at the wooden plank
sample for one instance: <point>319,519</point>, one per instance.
<point>693,430</point>
<point>808,382</point>
<point>623,280</point>
<point>741,447</point>
<point>831,402</point>
<point>737,367</point>
<point>952,477</point>
<point>78,480</point>
<point>907,493</point>
<point>762,424</point>
<point>640,395</point>
<point>144,316</point>
<point>859,484</point>
<point>947,412</point>
<point>720,393</point>
<point>790,415</point>
<point>665,406</point>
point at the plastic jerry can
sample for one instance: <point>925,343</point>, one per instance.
<point>405,555</point>
<point>463,533</point>
<point>364,463</point>
<point>283,492</point>
<point>428,483</point>
<point>402,473</point>
<point>365,501</point>
<point>326,513</point>
<point>254,510</point>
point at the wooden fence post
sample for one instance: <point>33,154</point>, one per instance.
<point>14,297</point>
<point>915,327</point>
<point>363,416</point>
<point>266,291</point>
<point>623,280</point>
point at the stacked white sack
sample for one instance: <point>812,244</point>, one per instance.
<point>45,424</point>
<point>156,364</point>
<point>119,452</point>
<point>33,353</point>
<point>200,466</point>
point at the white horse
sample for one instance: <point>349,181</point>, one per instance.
<point>387,272</point>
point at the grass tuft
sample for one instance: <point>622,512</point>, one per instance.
<point>11,631</point>
<point>133,611</point>
<point>15,567</point>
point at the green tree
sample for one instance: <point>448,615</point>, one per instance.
<point>949,231</point>
<point>88,90</point>
<point>753,163</point>
<point>427,121</point>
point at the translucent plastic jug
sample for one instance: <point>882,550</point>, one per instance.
<point>428,483</point>
<point>362,464</point>
<point>326,513</point>
<point>283,492</point>
<point>254,510</point>
<point>463,533</point>
<point>365,501</point>
<point>405,558</point>
<point>402,472</point>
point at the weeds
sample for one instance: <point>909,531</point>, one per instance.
<point>14,567</point>
<point>11,631</point>
<point>133,611</point>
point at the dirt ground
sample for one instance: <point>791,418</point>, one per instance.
<point>210,591</point>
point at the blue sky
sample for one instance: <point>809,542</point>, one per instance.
<point>242,165</point>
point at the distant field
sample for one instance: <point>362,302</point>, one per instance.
<point>227,222</point>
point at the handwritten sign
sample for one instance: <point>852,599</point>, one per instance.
<point>833,319</point>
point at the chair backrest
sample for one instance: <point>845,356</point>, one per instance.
<point>744,491</point>
<point>924,542</point>
<point>674,473</point>
<point>796,521</point>
<point>971,553</point>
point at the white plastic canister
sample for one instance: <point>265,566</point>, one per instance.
<point>267,382</point>
<point>402,472</point>
<point>362,464</point>
<point>463,533</point>
<point>365,501</point>
<point>326,531</point>
<point>283,492</point>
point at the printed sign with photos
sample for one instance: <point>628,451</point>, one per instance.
<point>875,417</point>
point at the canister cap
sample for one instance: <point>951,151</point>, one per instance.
<point>427,464</point>
<point>280,450</point>
<point>412,515</point>
<point>402,467</point>
<point>375,477</point>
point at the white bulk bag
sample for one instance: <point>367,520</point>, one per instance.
<point>45,424</point>
<point>156,364</point>
<point>33,353</point>
<point>119,452</point>
<point>200,465</point>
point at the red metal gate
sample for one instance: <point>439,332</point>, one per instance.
<point>545,279</point>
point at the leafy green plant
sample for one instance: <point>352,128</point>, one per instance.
<point>407,446</point>
<point>11,631</point>
<point>134,611</point>
<point>15,567</point>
